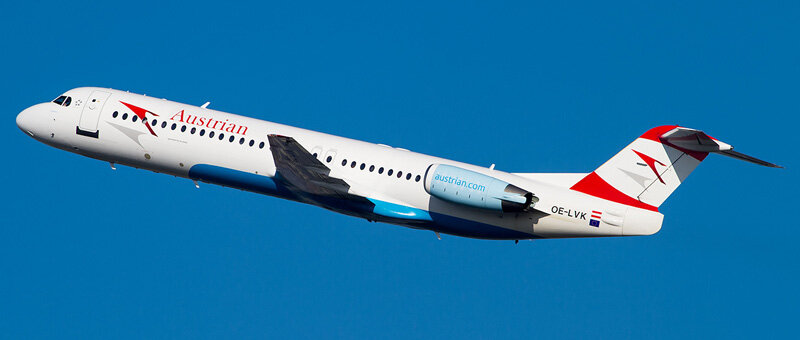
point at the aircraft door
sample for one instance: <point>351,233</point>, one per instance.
<point>90,115</point>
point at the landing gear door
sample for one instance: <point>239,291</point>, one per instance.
<point>91,113</point>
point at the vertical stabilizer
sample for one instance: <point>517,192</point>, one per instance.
<point>648,170</point>
<point>644,173</point>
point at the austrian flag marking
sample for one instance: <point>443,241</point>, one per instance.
<point>595,220</point>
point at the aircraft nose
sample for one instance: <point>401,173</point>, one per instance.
<point>25,121</point>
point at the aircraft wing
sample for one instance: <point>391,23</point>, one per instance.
<point>304,172</point>
<point>306,176</point>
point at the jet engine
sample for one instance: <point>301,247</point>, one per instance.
<point>462,186</point>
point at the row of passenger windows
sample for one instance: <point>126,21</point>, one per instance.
<point>372,168</point>
<point>193,130</point>
<point>252,142</point>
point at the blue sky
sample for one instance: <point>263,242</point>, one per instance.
<point>86,252</point>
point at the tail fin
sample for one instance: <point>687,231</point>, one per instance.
<point>648,170</point>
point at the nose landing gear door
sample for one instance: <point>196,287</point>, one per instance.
<point>91,114</point>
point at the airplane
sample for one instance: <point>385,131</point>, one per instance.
<point>375,182</point>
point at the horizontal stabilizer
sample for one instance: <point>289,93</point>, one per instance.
<point>741,156</point>
<point>699,141</point>
<point>694,140</point>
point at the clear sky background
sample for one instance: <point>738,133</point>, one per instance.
<point>87,252</point>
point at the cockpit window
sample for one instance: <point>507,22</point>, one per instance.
<point>63,100</point>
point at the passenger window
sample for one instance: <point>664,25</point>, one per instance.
<point>211,134</point>
<point>408,177</point>
<point>193,130</point>
<point>363,166</point>
<point>329,159</point>
<point>115,114</point>
<point>221,136</point>
<point>241,141</point>
<point>371,168</point>
<point>261,145</point>
<point>154,122</point>
<point>124,116</point>
<point>134,118</point>
<point>252,142</point>
<point>399,174</point>
<point>353,164</point>
<point>59,100</point>
<point>163,125</point>
<point>173,126</point>
<point>380,171</point>
<point>183,128</point>
<point>202,132</point>
<point>416,179</point>
<point>344,162</point>
<point>390,172</point>
<point>231,139</point>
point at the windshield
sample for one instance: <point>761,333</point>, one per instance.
<point>63,100</point>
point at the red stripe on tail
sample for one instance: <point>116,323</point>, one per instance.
<point>595,186</point>
<point>655,134</point>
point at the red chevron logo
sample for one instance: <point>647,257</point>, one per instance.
<point>651,162</point>
<point>142,113</point>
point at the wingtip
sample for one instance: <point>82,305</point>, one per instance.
<point>738,155</point>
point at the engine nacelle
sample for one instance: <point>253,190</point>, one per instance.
<point>458,185</point>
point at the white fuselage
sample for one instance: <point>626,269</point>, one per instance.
<point>99,124</point>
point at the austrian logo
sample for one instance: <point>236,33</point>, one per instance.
<point>210,123</point>
<point>651,162</point>
<point>191,119</point>
<point>142,114</point>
